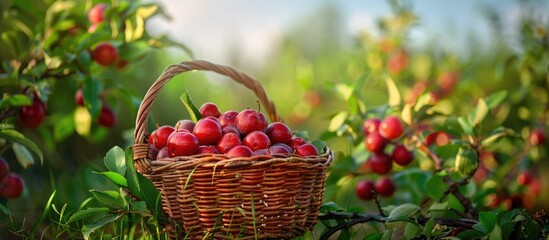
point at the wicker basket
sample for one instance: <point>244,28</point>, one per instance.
<point>246,198</point>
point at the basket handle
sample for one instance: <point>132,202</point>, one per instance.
<point>141,148</point>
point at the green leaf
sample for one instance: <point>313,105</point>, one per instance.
<point>16,100</point>
<point>164,42</point>
<point>337,121</point>
<point>131,174</point>
<point>394,94</point>
<point>319,145</point>
<point>466,126</point>
<point>488,220</point>
<point>87,213</point>
<point>470,234</point>
<point>5,210</point>
<point>115,178</point>
<point>496,98</point>
<point>189,105</point>
<point>115,160</point>
<point>23,155</point>
<point>91,91</point>
<point>497,134</point>
<point>44,213</point>
<point>480,113</point>
<point>52,62</point>
<point>331,207</point>
<point>344,234</point>
<point>64,127</point>
<point>17,137</point>
<point>88,229</point>
<point>411,230</point>
<point>151,195</point>
<point>374,236</point>
<point>496,233</point>
<point>403,211</point>
<point>428,229</point>
<point>110,198</point>
<point>436,186</point>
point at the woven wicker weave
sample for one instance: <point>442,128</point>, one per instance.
<point>246,198</point>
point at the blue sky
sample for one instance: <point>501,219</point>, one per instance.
<point>208,27</point>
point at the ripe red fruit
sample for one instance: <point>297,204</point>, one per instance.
<point>439,138</point>
<point>209,110</point>
<point>296,142</point>
<point>228,118</point>
<point>4,168</point>
<point>371,125</point>
<point>79,97</point>
<point>250,120</point>
<point>524,178</point>
<point>279,133</point>
<point>12,186</point>
<point>184,124</point>
<point>182,144</point>
<point>31,116</point>
<point>260,152</point>
<point>162,153</point>
<point>391,128</point>
<point>104,54</point>
<point>364,189</point>
<point>385,186</point>
<point>306,150</point>
<point>207,131</point>
<point>381,163</point>
<point>159,137</point>
<point>375,142</point>
<point>397,62</point>
<point>228,129</point>
<point>402,156</point>
<point>279,150</point>
<point>207,149</point>
<point>240,151</point>
<point>257,140</point>
<point>227,142</point>
<point>537,137</point>
<point>97,13</point>
<point>106,118</point>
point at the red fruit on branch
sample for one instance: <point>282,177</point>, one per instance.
<point>182,144</point>
<point>364,190</point>
<point>371,125</point>
<point>402,156</point>
<point>106,118</point>
<point>97,13</point>
<point>537,137</point>
<point>381,163</point>
<point>375,142</point>
<point>385,186</point>
<point>105,54</point>
<point>4,168</point>
<point>391,128</point>
<point>79,97</point>
<point>209,110</point>
<point>12,186</point>
<point>524,178</point>
<point>439,138</point>
<point>33,115</point>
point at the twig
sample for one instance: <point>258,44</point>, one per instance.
<point>357,218</point>
<point>378,205</point>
